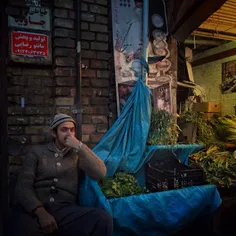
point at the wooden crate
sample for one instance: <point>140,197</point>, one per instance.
<point>209,107</point>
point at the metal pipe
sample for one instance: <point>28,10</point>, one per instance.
<point>145,35</point>
<point>203,42</point>
<point>78,108</point>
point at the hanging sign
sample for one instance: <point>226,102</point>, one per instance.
<point>33,3</point>
<point>30,47</point>
<point>127,44</point>
<point>36,19</point>
<point>29,44</point>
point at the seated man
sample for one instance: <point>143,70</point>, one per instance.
<point>47,188</point>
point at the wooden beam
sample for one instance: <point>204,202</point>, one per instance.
<point>3,118</point>
<point>195,18</point>
<point>214,57</point>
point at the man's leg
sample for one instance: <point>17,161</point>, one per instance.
<point>23,224</point>
<point>74,220</point>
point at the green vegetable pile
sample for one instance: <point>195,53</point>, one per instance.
<point>219,166</point>
<point>225,128</point>
<point>206,134</point>
<point>163,128</point>
<point>121,185</point>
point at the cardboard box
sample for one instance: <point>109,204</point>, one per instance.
<point>211,107</point>
<point>209,115</point>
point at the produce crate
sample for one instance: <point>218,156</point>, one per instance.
<point>167,173</point>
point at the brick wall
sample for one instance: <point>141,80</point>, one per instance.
<point>209,77</point>
<point>51,89</point>
<point>98,89</point>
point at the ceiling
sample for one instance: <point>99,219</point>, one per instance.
<point>221,24</point>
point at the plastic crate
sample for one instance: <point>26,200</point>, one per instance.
<point>165,172</point>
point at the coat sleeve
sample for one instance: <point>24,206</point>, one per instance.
<point>25,192</point>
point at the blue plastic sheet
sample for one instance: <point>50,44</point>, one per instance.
<point>124,148</point>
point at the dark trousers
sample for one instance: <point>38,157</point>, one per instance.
<point>72,220</point>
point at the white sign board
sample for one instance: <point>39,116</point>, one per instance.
<point>37,19</point>
<point>33,3</point>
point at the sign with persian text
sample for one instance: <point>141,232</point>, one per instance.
<point>36,19</point>
<point>30,47</point>
<point>29,44</point>
<point>33,3</point>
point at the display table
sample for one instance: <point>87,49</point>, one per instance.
<point>161,213</point>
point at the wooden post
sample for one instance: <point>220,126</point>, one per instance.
<point>3,120</point>
<point>172,44</point>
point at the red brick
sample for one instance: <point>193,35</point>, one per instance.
<point>65,61</point>
<point>90,110</point>
<point>85,138</point>
<point>84,26</point>
<point>17,120</point>
<point>98,9</point>
<point>20,80</point>
<point>69,4</point>
<point>16,90</point>
<point>96,137</point>
<point>62,91</point>
<point>89,73</point>
<point>102,128</point>
<point>100,83</point>
<point>99,64</point>
<point>101,92</point>
<point>37,120</point>
<point>65,110</point>
<point>64,42</point>
<point>103,110</point>
<point>87,92</point>
<point>102,2</point>
<point>73,92</point>
<point>84,7</point>
<point>60,71</point>
<point>86,119</point>
<point>103,74</point>
<point>99,101</point>
<point>37,139</point>
<point>99,28</point>
<point>63,13</point>
<point>15,130</point>
<point>36,129</point>
<point>88,54</point>
<point>85,45</point>
<point>99,119</point>
<point>101,19</point>
<point>65,81</point>
<point>103,56</point>
<point>65,52</point>
<point>87,16</point>
<point>85,82</point>
<point>102,37</point>
<point>85,100</point>
<point>85,35</point>
<point>88,129</point>
<point>63,101</point>
<point>72,14</point>
<point>99,46</point>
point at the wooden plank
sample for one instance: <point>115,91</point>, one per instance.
<point>195,18</point>
<point>3,118</point>
<point>215,57</point>
<point>172,44</point>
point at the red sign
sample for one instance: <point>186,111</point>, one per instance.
<point>29,44</point>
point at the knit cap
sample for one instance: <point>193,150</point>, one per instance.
<point>59,119</point>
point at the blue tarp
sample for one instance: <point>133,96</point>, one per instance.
<point>124,148</point>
